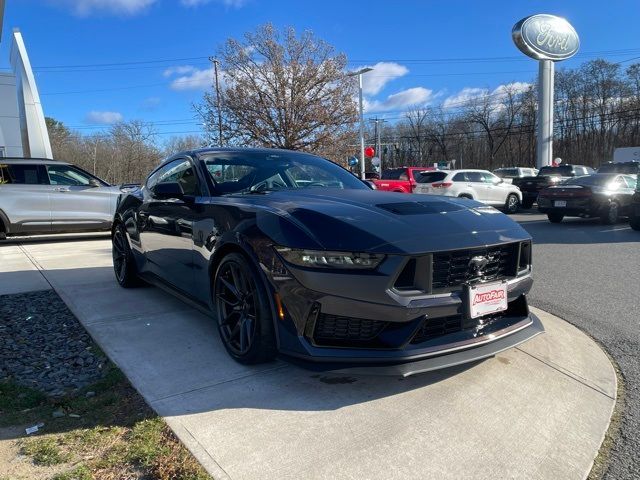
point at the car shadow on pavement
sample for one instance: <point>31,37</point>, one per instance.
<point>173,356</point>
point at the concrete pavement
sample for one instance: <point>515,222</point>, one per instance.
<point>536,411</point>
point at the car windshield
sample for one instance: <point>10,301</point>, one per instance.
<point>627,168</point>
<point>430,177</point>
<point>256,172</point>
<point>507,172</point>
<point>394,174</point>
<point>596,180</point>
<point>563,171</point>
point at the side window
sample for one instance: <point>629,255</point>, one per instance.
<point>631,182</point>
<point>22,174</point>
<point>180,171</point>
<point>489,178</point>
<point>460,177</point>
<point>67,175</point>
<point>475,177</point>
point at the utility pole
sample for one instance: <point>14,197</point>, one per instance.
<point>359,75</point>
<point>378,129</point>
<point>218,104</point>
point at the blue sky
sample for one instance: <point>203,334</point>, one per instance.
<point>432,52</point>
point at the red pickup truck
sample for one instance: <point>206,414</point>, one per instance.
<point>400,179</point>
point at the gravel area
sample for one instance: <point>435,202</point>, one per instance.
<point>588,274</point>
<point>43,346</point>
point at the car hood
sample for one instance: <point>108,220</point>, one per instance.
<point>383,222</point>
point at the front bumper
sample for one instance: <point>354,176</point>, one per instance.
<point>305,295</point>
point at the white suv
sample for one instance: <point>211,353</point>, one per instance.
<point>480,185</point>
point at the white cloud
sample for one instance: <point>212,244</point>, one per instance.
<point>178,70</point>
<point>85,8</point>
<point>103,118</point>
<point>226,3</point>
<point>464,96</point>
<point>400,100</point>
<point>468,94</point>
<point>383,72</point>
<point>191,78</point>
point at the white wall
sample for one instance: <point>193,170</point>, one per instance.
<point>10,137</point>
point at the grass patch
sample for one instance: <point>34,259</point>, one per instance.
<point>117,436</point>
<point>44,451</point>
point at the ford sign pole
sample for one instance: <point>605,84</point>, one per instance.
<point>549,39</point>
<point>544,152</point>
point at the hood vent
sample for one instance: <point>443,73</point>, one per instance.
<point>420,208</point>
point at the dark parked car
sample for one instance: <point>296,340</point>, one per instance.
<point>634,215</point>
<point>293,254</point>
<point>604,195</point>
<point>531,186</point>
<point>627,168</point>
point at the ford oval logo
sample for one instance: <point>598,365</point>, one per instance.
<point>546,37</point>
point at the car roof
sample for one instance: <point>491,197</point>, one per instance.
<point>31,161</point>
<point>207,150</point>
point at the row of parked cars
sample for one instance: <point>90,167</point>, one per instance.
<point>565,190</point>
<point>47,196</point>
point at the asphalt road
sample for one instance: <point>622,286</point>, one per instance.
<point>589,274</point>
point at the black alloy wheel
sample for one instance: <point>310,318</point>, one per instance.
<point>244,316</point>
<point>512,204</point>
<point>123,263</point>
<point>555,217</point>
<point>611,213</point>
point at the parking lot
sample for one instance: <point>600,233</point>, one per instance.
<point>278,420</point>
<point>587,274</point>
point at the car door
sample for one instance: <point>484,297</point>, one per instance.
<point>78,200</point>
<point>628,186</point>
<point>24,197</point>
<point>475,181</point>
<point>166,224</point>
<point>496,189</point>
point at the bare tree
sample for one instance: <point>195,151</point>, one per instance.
<point>281,90</point>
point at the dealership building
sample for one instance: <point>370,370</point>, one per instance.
<point>23,131</point>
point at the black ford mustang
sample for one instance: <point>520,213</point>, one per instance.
<point>293,254</point>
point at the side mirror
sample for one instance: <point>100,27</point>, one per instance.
<point>168,191</point>
<point>93,183</point>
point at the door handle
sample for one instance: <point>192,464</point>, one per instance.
<point>61,189</point>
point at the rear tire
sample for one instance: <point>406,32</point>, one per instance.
<point>611,213</point>
<point>124,265</point>
<point>464,195</point>
<point>512,204</point>
<point>527,203</point>
<point>634,222</point>
<point>245,320</point>
<point>555,217</point>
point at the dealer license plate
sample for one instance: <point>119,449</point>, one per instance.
<point>487,298</point>
<point>560,203</point>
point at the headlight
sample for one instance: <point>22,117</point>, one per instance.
<point>326,259</point>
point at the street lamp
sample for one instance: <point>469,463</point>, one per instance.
<point>359,74</point>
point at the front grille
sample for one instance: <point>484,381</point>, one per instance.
<point>436,327</point>
<point>452,269</point>
<point>337,330</point>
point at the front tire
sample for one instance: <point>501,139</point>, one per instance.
<point>555,217</point>
<point>245,321</point>
<point>610,214</point>
<point>512,204</point>
<point>124,265</point>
